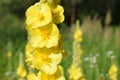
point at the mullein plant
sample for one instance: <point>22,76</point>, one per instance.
<point>113,71</point>
<point>75,71</point>
<point>9,64</point>
<point>44,49</point>
<point>9,49</point>
<point>21,70</point>
<point>9,55</point>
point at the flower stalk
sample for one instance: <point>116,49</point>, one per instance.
<point>75,70</point>
<point>44,49</point>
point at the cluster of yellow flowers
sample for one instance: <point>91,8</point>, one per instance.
<point>113,72</point>
<point>75,70</point>
<point>44,48</point>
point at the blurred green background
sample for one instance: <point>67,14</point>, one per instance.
<point>99,23</point>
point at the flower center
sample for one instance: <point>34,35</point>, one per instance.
<point>45,33</point>
<point>45,58</point>
<point>40,16</point>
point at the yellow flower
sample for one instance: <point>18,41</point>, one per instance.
<point>21,71</point>
<point>57,14</point>
<point>78,33</point>
<point>28,51</point>
<point>42,76</point>
<point>80,51</point>
<point>38,15</point>
<point>32,76</point>
<point>44,36</point>
<point>76,73</point>
<point>113,72</point>
<point>9,54</point>
<point>58,75</point>
<point>46,61</point>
